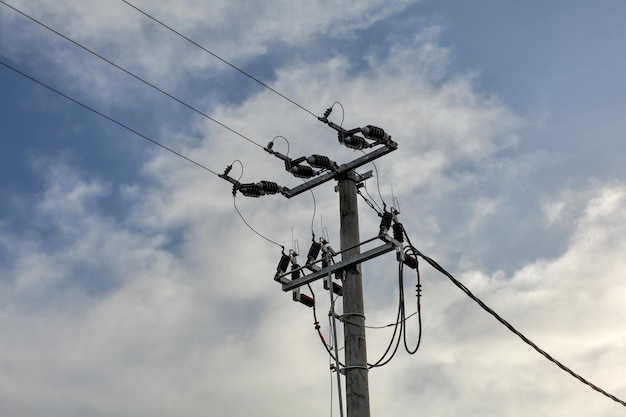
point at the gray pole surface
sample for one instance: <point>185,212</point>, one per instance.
<point>357,388</point>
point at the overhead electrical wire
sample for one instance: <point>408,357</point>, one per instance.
<point>509,326</point>
<point>108,61</point>
<point>218,57</point>
<point>91,109</point>
<point>401,318</point>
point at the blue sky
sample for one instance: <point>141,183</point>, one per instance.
<point>129,285</point>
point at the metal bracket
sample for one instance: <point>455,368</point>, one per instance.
<point>339,266</point>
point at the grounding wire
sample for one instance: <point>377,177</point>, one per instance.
<point>91,109</point>
<point>133,75</point>
<point>509,326</point>
<point>377,183</point>
<point>241,216</point>
<point>218,57</point>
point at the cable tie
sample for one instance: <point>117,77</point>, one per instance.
<point>349,368</point>
<point>353,314</point>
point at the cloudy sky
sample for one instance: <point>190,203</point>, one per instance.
<point>129,286</point>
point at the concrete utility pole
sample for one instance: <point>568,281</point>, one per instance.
<point>357,387</point>
<point>319,169</point>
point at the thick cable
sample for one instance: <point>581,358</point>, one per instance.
<point>219,58</point>
<point>134,76</point>
<point>509,326</point>
<point>419,312</point>
<point>91,109</point>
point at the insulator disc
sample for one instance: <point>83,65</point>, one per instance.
<point>283,264</point>
<point>302,171</point>
<point>314,251</point>
<point>354,142</point>
<point>374,132</point>
<point>268,186</point>
<point>319,161</point>
<point>385,222</point>
<point>398,232</point>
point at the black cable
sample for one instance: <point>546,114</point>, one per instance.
<point>241,216</point>
<point>141,135</point>
<point>397,330</point>
<point>419,309</point>
<point>513,329</point>
<point>133,75</point>
<point>218,57</point>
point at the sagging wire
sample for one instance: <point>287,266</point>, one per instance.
<point>138,78</point>
<point>241,216</point>
<point>509,326</point>
<point>218,57</point>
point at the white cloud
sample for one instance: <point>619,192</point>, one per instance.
<point>169,306</point>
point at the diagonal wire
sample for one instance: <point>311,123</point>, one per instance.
<point>108,61</point>
<point>509,326</point>
<point>219,58</point>
<point>91,109</point>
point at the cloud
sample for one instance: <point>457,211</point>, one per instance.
<point>149,296</point>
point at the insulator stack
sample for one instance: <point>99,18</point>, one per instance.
<point>385,222</point>
<point>319,161</point>
<point>410,261</point>
<point>295,271</point>
<point>302,171</point>
<point>282,265</point>
<point>374,132</point>
<point>354,142</point>
<point>313,252</point>
<point>398,232</point>
<point>250,190</point>
<point>268,187</point>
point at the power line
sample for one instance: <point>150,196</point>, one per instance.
<point>91,109</point>
<point>510,326</point>
<point>220,58</point>
<point>132,74</point>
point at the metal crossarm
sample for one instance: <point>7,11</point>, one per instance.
<point>339,266</point>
